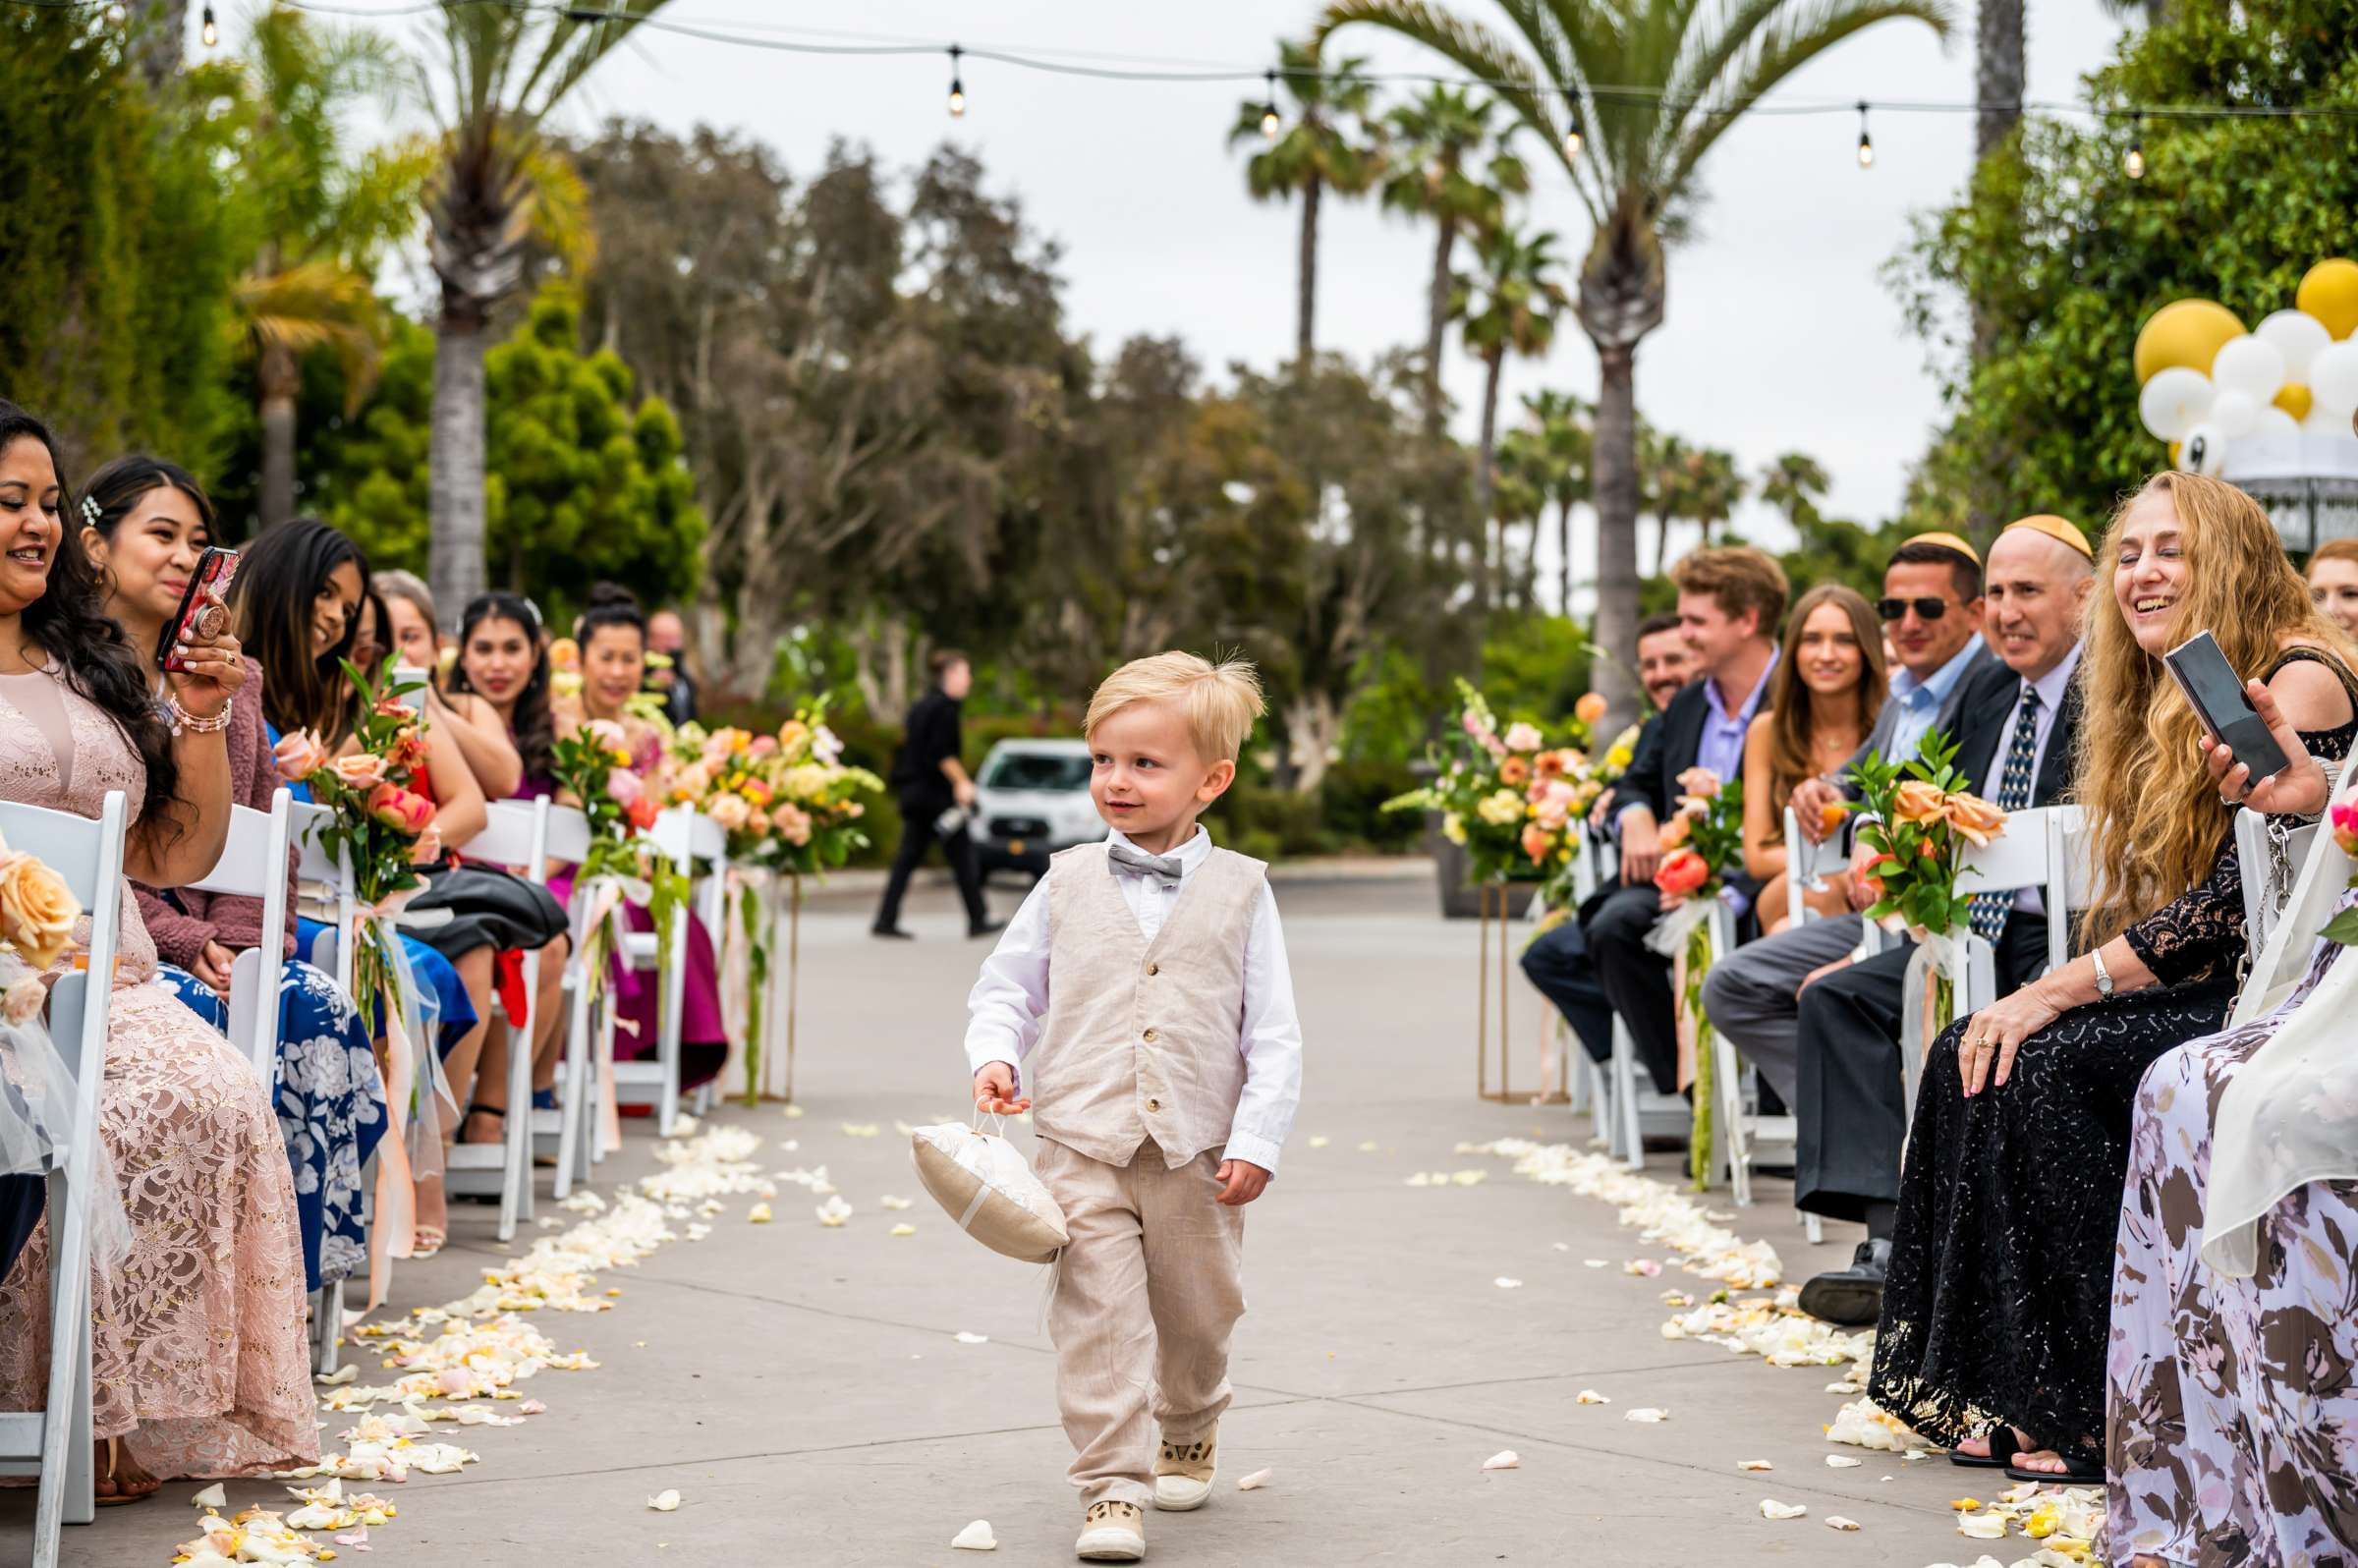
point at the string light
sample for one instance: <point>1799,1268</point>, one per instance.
<point>1572,129</point>
<point>1268,116</point>
<point>212,34</point>
<point>2132,162</point>
<point>957,88</point>
<point>1866,143</point>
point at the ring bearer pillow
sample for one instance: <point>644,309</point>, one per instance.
<point>982,1182</point>
<point>2290,1116</point>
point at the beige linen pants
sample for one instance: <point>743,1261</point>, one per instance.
<point>1148,1290</point>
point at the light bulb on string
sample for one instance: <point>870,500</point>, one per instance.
<point>1269,122</point>
<point>212,33</point>
<point>1866,143</point>
<point>957,88</point>
<point>1572,129</point>
<point>2132,162</point>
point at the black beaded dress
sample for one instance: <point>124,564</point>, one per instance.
<point>1999,1291</point>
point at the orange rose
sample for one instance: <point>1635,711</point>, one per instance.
<point>1919,802</point>
<point>564,654</point>
<point>37,911</point>
<point>1514,772</point>
<point>401,809</point>
<point>1676,831</point>
<point>1975,819</point>
<point>1535,842</point>
<point>641,813</point>
<point>1682,872</point>
<point>1873,883</point>
<point>1590,709</point>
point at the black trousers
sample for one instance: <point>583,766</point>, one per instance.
<point>1637,979</point>
<point>917,813</point>
<point>21,1202</point>
<point>1559,964</point>
<point>1852,1110</point>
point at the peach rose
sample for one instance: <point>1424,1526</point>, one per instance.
<point>298,756</point>
<point>1524,738</point>
<point>1514,772</point>
<point>1918,802</point>
<point>1674,832</point>
<point>730,812</point>
<point>361,771</point>
<point>1682,872</point>
<point>1698,781</point>
<point>1975,819</point>
<point>1590,709</point>
<point>791,735</point>
<point>792,823</point>
<point>564,654</point>
<point>428,851</point>
<point>766,746</point>
<point>403,810</point>
<point>37,911</point>
<point>609,734</point>
<point>23,1002</point>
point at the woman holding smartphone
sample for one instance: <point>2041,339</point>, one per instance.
<point>2000,1282</point>
<point>146,525</point>
<point>1823,701</point>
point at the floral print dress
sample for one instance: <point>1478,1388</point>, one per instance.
<point>2232,1404</point>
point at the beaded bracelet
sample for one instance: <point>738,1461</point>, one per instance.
<point>183,721</point>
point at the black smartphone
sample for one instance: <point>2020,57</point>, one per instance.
<point>2216,693</point>
<point>208,584</point>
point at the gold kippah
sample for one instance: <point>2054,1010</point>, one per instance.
<point>2054,527</point>
<point>1948,541</point>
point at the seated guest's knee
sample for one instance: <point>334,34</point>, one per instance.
<point>1554,952</point>
<point>1625,920</point>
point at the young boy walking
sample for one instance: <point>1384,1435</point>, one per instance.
<point>1141,997</point>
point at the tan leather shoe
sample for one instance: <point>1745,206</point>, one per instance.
<point>1183,1472</point>
<point>1112,1532</point>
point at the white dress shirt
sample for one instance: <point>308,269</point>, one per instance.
<point>1010,999</point>
<point>2050,688</point>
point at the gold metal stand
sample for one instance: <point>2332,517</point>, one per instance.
<point>1498,897</point>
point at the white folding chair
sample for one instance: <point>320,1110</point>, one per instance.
<point>54,1442</point>
<point>515,836</point>
<point>254,865</point>
<point>2039,849</point>
<point>326,881</point>
<point>681,836</point>
<point>2268,870</point>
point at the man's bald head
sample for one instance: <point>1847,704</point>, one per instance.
<point>2037,587</point>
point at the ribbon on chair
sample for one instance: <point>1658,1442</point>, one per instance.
<point>595,900</point>
<point>415,1083</point>
<point>1669,937</point>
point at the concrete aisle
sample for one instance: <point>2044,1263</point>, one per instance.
<point>802,1387</point>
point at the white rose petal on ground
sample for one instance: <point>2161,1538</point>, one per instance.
<point>340,1376</point>
<point>1771,1508</point>
<point>1504,1284</point>
<point>1838,1522</point>
<point>902,1230</point>
<point>833,1212</point>
<point>1503,1459</point>
<point>793,1111</point>
<point>976,1537</point>
<point>1991,1526</point>
<point>664,1501</point>
<point>1754,1464</point>
<point>1367,1147</point>
<point>213,1496</point>
<point>1252,1483</point>
<point>1321,1141</point>
<point>1648,1415</point>
<point>758,1214</point>
<point>965,1339</point>
<point>1590,1396</point>
<point>1842,1462</point>
<point>896,1205</point>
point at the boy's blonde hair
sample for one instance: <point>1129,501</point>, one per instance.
<point>1219,700</point>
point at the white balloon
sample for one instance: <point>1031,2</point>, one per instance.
<point>2273,424</point>
<point>2173,401</point>
<point>2297,335</point>
<point>2333,378</point>
<point>2251,366</point>
<point>2233,413</point>
<point>2204,451</point>
<point>2323,422</point>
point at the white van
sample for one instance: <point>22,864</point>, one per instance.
<point>1032,801</point>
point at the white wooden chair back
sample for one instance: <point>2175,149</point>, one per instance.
<point>514,835</point>
<point>54,1442</point>
<point>683,837</point>
<point>326,877</point>
<point>2268,874</point>
<point>254,865</point>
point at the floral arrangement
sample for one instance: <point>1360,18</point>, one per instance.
<point>593,767</point>
<point>382,828</point>
<point>2341,820</point>
<point>1916,821</point>
<point>1702,840</point>
<point>1490,787</point>
<point>37,911</point>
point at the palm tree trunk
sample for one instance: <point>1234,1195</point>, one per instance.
<point>1563,551</point>
<point>1306,306</point>
<point>1616,501</point>
<point>1437,323</point>
<point>1486,480</point>
<point>1997,74</point>
<point>281,378</point>
<point>158,30</point>
<point>455,486</point>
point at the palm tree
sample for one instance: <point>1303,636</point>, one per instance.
<point>1438,171</point>
<point>1999,67</point>
<point>1793,482</point>
<point>1510,305</point>
<point>1654,84</point>
<point>1662,488</point>
<point>1550,453</point>
<point>283,312</point>
<point>1314,153</point>
<point>1714,485</point>
<point>508,67</point>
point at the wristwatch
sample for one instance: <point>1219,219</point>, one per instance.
<point>2104,975</point>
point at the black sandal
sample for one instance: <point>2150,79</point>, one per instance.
<point>480,1109</point>
<point>1995,1458</point>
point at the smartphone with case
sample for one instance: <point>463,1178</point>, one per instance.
<point>2216,693</point>
<point>216,568</point>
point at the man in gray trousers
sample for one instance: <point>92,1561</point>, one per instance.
<point>1932,607</point>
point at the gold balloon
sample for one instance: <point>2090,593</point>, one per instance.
<point>2331,294</point>
<point>2185,332</point>
<point>2293,398</point>
<point>2173,454</point>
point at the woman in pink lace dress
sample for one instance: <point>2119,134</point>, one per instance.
<point>199,1359</point>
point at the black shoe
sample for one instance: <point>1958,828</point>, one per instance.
<point>1852,1297</point>
<point>985,929</point>
<point>895,933</point>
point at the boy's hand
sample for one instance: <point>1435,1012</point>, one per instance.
<point>995,1090</point>
<point>1241,1181</point>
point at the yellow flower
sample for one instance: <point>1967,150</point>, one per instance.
<point>1501,809</point>
<point>37,911</point>
<point>1453,828</point>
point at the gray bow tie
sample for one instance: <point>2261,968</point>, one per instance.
<point>1163,868</point>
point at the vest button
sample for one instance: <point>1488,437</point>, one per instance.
<point>1152,1036</point>
<point>1154,969</point>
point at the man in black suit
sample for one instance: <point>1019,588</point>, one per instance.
<point>1557,963</point>
<point>1730,602</point>
<point>2016,731</point>
<point>930,780</point>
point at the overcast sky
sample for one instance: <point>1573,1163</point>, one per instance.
<point>1782,334</point>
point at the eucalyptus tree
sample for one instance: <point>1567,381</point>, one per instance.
<point>1629,99</point>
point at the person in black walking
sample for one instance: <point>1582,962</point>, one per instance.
<point>931,784</point>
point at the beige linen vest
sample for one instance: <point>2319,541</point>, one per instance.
<point>1143,1040</point>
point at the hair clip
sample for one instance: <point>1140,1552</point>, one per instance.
<point>535,609</point>
<point>92,511</point>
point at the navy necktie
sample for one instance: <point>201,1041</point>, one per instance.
<point>1989,910</point>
